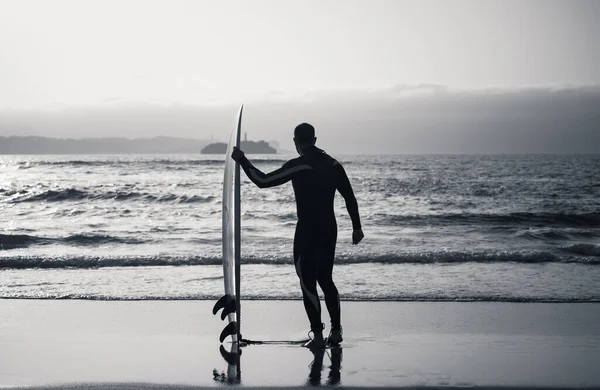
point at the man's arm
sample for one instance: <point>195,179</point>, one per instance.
<point>344,187</point>
<point>265,180</point>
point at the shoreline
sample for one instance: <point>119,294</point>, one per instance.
<point>267,299</point>
<point>174,344</point>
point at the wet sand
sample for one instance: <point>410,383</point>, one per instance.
<point>158,344</point>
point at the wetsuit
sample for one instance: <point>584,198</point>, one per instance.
<point>315,177</point>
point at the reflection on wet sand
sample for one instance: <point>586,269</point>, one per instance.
<point>233,375</point>
<point>316,367</point>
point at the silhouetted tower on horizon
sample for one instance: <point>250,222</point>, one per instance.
<point>245,136</point>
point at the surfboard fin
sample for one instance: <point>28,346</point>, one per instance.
<point>229,330</point>
<point>229,308</point>
<point>222,302</point>
<point>230,357</point>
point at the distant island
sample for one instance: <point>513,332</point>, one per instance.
<point>46,145</point>
<point>250,147</point>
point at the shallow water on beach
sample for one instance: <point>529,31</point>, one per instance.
<point>517,228</point>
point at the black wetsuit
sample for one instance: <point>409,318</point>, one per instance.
<point>315,176</point>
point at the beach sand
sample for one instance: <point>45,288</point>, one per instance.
<point>156,344</point>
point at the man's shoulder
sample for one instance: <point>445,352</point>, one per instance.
<point>293,162</point>
<point>301,162</point>
<point>323,155</point>
<point>331,159</point>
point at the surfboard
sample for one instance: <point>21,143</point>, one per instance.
<point>230,302</point>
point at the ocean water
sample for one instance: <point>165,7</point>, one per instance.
<point>499,228</point>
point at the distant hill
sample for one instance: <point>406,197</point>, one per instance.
<point>46,145</point>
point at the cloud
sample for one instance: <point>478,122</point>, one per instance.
<point>404,90</point>
<point>423,118</point>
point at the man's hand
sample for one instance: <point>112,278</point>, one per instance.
<point>357,236</point>
<point>237,154</point>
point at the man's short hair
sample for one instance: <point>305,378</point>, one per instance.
<point>304,132</point>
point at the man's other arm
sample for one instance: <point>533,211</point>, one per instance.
<point>345,188</point>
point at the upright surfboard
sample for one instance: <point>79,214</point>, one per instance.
<point>230,302</point>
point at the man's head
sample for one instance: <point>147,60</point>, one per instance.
<point>304,136</point>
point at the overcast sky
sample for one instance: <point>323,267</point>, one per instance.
<point>106,56</point>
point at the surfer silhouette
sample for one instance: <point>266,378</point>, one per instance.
<point>315,177</point>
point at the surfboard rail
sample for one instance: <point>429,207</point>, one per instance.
<point>231,232</point>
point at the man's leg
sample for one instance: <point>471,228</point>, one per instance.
<point>325,279</point>
<point>306,269</point>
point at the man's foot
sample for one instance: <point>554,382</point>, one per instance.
<point>316,341</point>
<point>335,336</point>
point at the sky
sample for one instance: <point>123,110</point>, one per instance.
<point>192,63</point>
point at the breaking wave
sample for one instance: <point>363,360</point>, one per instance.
<point>15,241</point>
<point>583,249</point>
<point>556,234</point>
<point>150,163</point>
<point>520,218</point>
<point>297,297</point>
<point>72,194</point>
<point>582,254</point>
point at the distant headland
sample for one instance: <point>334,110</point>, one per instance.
<point>155,145</point>
<point>47,145</point>
<point>250,147</point>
